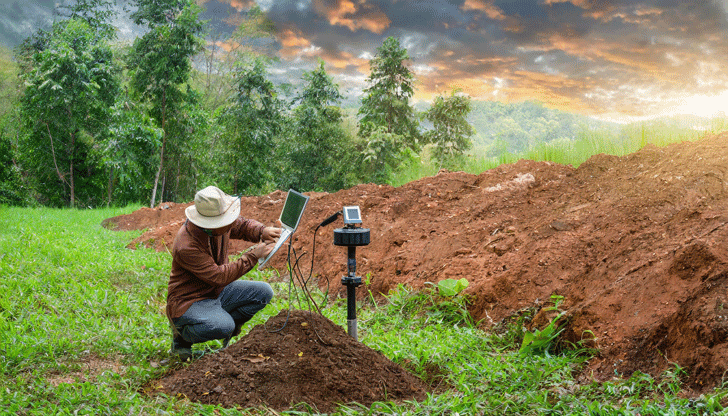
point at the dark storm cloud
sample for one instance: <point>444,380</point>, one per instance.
<point>20,19</point>
<point>589,55</point>
<point>596,56</point>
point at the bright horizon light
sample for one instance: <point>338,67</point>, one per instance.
<point>704,105</point>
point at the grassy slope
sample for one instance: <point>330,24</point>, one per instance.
<point>629,139</point>
<point>81,321</point>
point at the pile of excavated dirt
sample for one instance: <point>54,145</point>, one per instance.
<point>635,244</point>
<point>297,361</point>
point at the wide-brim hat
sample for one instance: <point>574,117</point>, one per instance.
<point>213,208</point>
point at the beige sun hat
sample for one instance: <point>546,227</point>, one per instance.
<point>213,208</point>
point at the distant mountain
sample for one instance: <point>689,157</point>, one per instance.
<point>516,127</point>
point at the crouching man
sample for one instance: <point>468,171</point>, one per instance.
<point>205,299</point>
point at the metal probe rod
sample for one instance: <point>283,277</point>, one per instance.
<point>351,283</point>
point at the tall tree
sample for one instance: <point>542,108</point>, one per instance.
<point>252,124</point>
<point>160,62</point>
<point>318,146</point>
<point>386,112</point>
<point>132,138</point>
<point>70,86</point>
<point>225,54</point>
<point>451,131</point>
<point>97,13</point>
<point>11,186</point>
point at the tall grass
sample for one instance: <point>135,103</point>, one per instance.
<point>82,326</point>
<point>626,140</point>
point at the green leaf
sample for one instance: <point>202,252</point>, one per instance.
<point>452,287</point>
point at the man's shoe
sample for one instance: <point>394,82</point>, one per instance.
<point>183,349</point>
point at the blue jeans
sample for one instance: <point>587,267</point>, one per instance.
<point>210,319</point>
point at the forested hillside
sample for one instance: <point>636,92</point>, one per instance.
<point>517,127</point>
<point>86,120</point>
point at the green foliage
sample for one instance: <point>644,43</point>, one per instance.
<point>383,154</point>
<point>225,54</point>
<point>188,152</point>
<point>451,287</point>
<point>433,304</point>
<point>12,190</point>
<point>70,87</point>
<point>129,153</point>
<point>317,149</point>
<point>541,341</point>
<point>82,323</point>
<point>518,127</point>
<point>9,85</point>
<point>98,14</point>
<point>451,131</point>
<point>250,127</point>
<point>160,63</point>
<point>388,123</point>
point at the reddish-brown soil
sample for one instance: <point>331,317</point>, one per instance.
<point>298,361</point>
<point>637,245</point>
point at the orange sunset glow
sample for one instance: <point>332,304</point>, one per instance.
<point>612,59</point>
<point>607,58</point>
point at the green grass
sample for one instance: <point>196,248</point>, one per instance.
<point>81,322</point>
<point>628,139</point>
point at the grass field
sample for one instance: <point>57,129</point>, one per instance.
<point>82,322</point>
<point>82,325</point>
<point>629,139</point>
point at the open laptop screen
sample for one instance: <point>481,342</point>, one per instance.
<point>290,216</point>
<point>293,208</point>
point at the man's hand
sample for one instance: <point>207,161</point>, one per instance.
<point>270,234</point>
<point>262,250</point>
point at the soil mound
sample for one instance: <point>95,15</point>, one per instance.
<point>637,245</point>
<point>302,361</point>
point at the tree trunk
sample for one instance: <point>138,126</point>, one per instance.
<point>159,170</point>
<point>70,172</point>
<point>55,162</point>
<point>161,193</point>
<point>176,180</point>
<point>110,187</point>
<point>161,151</point>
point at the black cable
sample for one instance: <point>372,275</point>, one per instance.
<point>309,297</point>
<point>291,286</point>
<point>295,270</point>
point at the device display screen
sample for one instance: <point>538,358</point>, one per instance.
<point>352,215</point>
<point>293,208</point>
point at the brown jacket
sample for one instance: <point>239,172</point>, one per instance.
<point>200,267</point>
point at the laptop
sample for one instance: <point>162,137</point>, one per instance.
<point>290,217</point>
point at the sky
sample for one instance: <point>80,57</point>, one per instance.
<point>613,59</point>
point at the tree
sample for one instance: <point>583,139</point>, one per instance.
<point>71,84</point>
<point>382,153</point>
<point>10,181</point>
<point>132,138</point>
<point>11,186</point>
<point>451,131</point>
<point>160,62</point>
<point>226,54</point>
<point>385,108</point>
<point>252,124</point>
<point>318,148</point>
<point>98,14</point>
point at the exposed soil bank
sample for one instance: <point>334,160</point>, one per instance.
<point>637,245</point>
